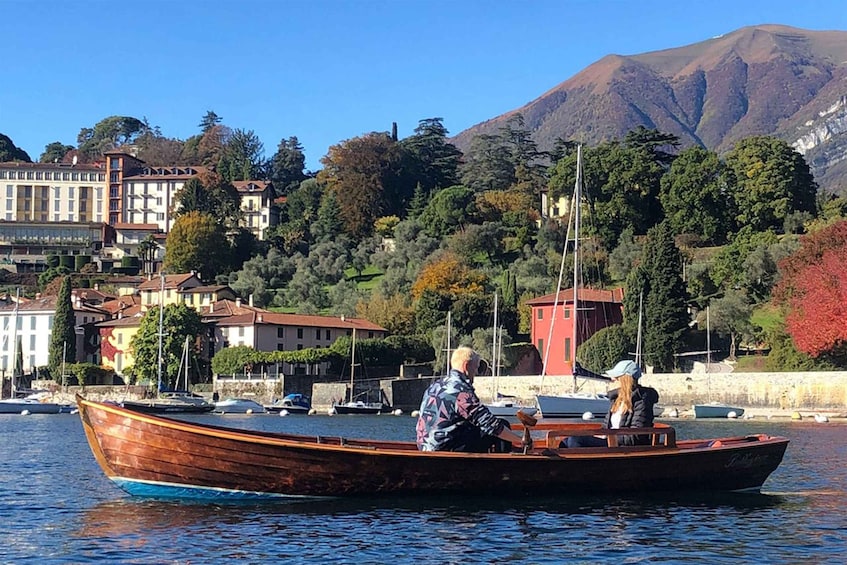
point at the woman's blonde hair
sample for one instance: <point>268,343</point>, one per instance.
<point>627,384</point>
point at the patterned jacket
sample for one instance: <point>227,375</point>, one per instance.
<point>449,406</point>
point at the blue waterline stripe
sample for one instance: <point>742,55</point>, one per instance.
<point>157,489</point>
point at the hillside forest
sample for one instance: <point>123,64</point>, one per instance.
<point>403,231</point>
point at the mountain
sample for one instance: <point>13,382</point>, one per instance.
<point>760,80</point>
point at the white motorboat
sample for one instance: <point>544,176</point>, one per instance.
<point>239,406</point>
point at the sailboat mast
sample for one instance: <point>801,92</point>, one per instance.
<point>352,363</point>
<point>161,330</point>
<point>708,342</point>
<point>577,196</point>
<point>638,338</point>
<point>447,361</point>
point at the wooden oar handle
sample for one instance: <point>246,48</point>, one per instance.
<point>527,421</point>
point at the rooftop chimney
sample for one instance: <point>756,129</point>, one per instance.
<point>238,302</point>
<point>250,299</point>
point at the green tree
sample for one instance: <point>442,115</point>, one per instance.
<point>364,174</point>
<point>287,166</point>
<point>263,276</point>
<point>665,303</point>
<point>62,337</point>
<point>448,211</point>
<point>771,181</point>
<point>209,193</point>
<point>197,242</point>
<point>434,160</point>
<point>694,196</point>
<point>243,157</point>
<point>11,152</point>
<point>109,133</point>
<point>55,152</point>
<point>179,321</point>
<point>730,316</point>
<point>209,120</point>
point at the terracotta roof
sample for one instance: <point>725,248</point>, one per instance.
<point>47,304</point>
<point>137,227</point>
<point>614,296</point>
<point>226,313</point>
<point>245,185</point>
<point>88,294</point>
<point>125,322</point>
<point>128,304</point>
<point>171,281</point>
<point>206,288</point>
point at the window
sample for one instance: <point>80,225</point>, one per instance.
<point>299,346</point>
<point>540,313</point>
<point>75,176</point>
<point>32,322</point>
<point>39,175</point>
<point>71,191</point>
<point>567,349</point>
<point>327,335</point>
<point>20,324</point>
<point>280,347</point>
<point>32,342</point>
<point>9,191</point>
<point>299,333</point>
<point>57,205</point>
<point>318,335</point>
<point>241,331</point>
<point>567,313</point>
<point>83,176</point>
<point>8,204</point>
<point>280,333</point>
<point>66,176</point>
<point>541,347</point>
<point>370,335</point>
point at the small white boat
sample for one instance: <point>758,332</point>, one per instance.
<point>573,405</point>
<point>31,404</point>
<point>716,410</point>
<point>239,406</point>
<point>505,408</point>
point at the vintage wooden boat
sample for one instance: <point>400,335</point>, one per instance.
<point>150,455</point>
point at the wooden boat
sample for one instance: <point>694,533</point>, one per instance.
<point>150,455</point>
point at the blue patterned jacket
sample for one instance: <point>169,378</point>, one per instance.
<point>449,406</point>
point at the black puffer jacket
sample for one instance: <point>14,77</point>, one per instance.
<point>643,399</point>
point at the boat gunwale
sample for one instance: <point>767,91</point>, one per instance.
<point>407,449</point>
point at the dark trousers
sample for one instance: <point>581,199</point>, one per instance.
<point>585,441</point>
<point>471,440</point>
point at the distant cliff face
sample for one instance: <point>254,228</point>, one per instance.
<point>761,80</point>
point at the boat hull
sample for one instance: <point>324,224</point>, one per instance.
<point>16,407</point>
<point>572,406</point>
<point>154,456</point>
<point>154,407</point>
<point>716,411</point>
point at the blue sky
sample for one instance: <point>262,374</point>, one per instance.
<point>328,70</point>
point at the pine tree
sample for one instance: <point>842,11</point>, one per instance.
<point>665,318</point>
<point>63,338</point>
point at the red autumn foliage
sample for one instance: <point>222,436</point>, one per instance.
<point>814,290</point>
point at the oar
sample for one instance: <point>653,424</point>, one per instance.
<point>528,422</point>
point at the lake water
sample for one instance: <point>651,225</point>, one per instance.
<point>56,506</point>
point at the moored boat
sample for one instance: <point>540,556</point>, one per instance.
<point>239,406</point>
<point>717,410</point>
<point>151,455</point>
<point>292,403</point>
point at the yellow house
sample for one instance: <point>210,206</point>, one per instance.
<point>115,337</point>
<point>174,288</point>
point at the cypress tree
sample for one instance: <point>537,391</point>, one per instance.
<point>665,316</point>
<point>63,335</point>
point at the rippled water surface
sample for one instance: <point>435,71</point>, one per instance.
<point>56,506</point>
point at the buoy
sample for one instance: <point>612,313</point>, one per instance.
<point>249,411</point>
<point>415,413</point>
<point>674,413</point>
<point>283,412</point>
<point>732,415</point>
<point>398,412</point>
<point>587,416</point>
<point>312,411</point>
<point>748,416</point>
<point>25,412</point>
<point>796,416</point>
<point>331,411</point>
<point>821,419</point>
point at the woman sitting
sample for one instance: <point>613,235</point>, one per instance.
<point>630,406</point>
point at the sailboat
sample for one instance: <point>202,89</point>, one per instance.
<point>713,409</point>
<point>353,406</point>
<point>574,404</point>
<point>31,404</point>
<point>500,405</point>
<point>175,401</point>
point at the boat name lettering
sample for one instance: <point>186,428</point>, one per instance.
<point>746,461</point>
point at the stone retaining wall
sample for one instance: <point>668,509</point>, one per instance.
<point>819,391</point>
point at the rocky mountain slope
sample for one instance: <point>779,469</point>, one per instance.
<point>767,79</point>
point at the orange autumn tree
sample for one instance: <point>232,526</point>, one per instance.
<point>813,289</point>
<point>448,275</point>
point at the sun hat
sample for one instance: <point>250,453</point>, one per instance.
<point>624,368</point>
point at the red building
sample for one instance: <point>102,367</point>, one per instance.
<point>598,309</point>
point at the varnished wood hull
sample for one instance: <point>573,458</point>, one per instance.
<point>154,456</point>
